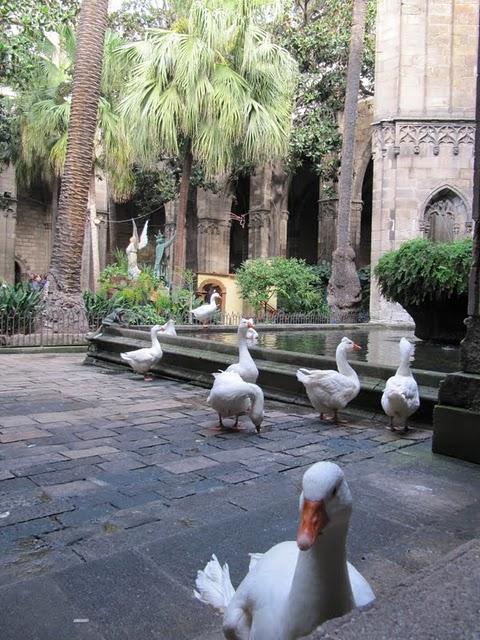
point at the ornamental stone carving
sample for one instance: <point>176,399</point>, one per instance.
<point>445,217</point>
<point>410,136</point>
<point>212,226</point>
<point>257,218</point>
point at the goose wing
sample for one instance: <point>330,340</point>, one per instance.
<point>329,388</point>
<point>139,355</point>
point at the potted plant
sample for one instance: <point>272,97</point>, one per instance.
<point>430,280</point>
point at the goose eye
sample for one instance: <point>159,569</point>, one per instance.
<point>334,492</point>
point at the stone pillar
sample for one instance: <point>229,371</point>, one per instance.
<point>8,221</point>
<point>456,417</point>
<point>327,226</point>
<point>268,215</point>
<point>213,231</point>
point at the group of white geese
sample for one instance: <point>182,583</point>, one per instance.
<point>295,586</point>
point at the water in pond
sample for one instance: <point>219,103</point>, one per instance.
<point>379,345</point>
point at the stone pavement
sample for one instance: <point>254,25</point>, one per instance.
<point>113,492</point>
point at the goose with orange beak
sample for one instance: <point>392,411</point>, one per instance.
<point>329,390</point>
<point>295,586</point>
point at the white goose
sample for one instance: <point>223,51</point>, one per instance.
<point>328,389</point>
<point>400,398</point>
<point>245,367</point>
<point>142,360</point>
<point>232,396</point>
<point>205,312</point>
<point>168,328</point>
<point>252,335</point>
<point>295,586</point>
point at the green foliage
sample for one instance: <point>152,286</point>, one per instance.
<point>215,80</point>
<point>291,280</point>
<point>144,300</point>
<point>23,25</point>
<point>317,34</point>
<point>19,299</point>
<point>365,275</point>
<point>421,271</point>
<point>154,187</point>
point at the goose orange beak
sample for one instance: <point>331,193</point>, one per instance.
<point>313,520</point>
<point>356,347</point>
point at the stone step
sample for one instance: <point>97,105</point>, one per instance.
<point>437,603</point>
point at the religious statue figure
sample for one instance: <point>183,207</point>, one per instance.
<point>135,246</point>
<point>160,268</point>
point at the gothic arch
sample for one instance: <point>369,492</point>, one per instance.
<point>208,285</point>
<point>445,215</point>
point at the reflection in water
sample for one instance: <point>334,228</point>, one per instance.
<point>379,345</point>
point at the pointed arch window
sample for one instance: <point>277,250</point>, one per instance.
<point>445,216</point>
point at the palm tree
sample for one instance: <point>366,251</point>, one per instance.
<point>344,292</point>
<point>64,273</point>
<point>213,89</point>
<point>44,118</point>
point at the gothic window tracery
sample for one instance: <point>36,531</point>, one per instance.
<point>445,217</point>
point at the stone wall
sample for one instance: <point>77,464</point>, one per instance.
<point>424,129</point>
<point>33,236</point>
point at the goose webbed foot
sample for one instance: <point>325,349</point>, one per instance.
<point>390,426</point>
<point>148,377</point>
<point>337,420</point>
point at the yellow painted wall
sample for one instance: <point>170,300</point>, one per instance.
<point>227,285</point>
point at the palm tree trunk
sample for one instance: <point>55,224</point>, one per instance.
<point>64,275</point>
<point>344,292</point>
<point>179,245</point>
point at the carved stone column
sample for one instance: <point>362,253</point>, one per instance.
<point>327,226</point>
<point>213,238</point>
<point>8,223</point>
<point>268,216</point>
<point>213,231</point>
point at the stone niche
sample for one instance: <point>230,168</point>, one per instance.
<point>446,217</point>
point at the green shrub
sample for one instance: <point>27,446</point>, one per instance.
<point>19,299</point>
<point>421,271</point>
<point>144,300</point>
<point>291,280</point>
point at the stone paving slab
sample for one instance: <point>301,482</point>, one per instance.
<point>157,490</point>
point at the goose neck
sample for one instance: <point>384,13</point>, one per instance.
<point>321,585</point>
<point>343,365</point>
<point>155,341</point>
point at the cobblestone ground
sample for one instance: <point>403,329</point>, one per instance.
<point>95,462</point>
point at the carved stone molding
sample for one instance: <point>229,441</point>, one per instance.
<point>327,208</point>
<point>212,226</point>
<point>257,218</point>
<point>409,136</point>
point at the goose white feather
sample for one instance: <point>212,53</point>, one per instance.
<point>205,312</point>
<point>252,335</point>
<point>245,367</point>
<point>142,360</point>
<point>168,328</point>
<point>231,396</point>
<point>400,398</point>
<point>295,586</point>
<point>330,390</point>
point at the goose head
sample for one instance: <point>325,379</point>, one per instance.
<point>243,327</point>
<point>251,323</point>
<point>214,296</point>
<point>155,329</point>
<point>348,345</point>
<point>325,502</point>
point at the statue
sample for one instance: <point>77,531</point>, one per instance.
<point>135,246</point>
<point>160,268</point>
